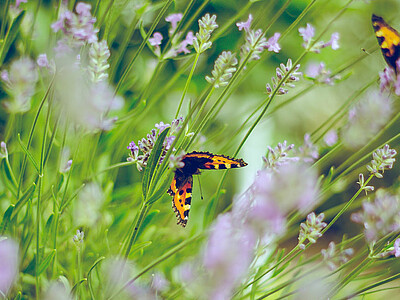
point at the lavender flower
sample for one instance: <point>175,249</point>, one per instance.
<point>207,25</point>
<point>77,28</point>
<point>311,229</point>
<point>396,248</point>
<point>272,43</point>
<point>389,81</point>
<point>78,237</point>
<point>361,182</point>
<point>379,217</point>
<point>285,76</point>
<point>159,283</point>
<point>255,44</point>
<point>334,259</point>
<point>175,161</point>
<point>308,33</point>
<point>223,68</point>
<point>156,40</point>
<point>20,82</point>
<point>366,118</point>
<point>383,159</point>
<point>145,145</point>
<point>274,194</point>
<point>186,42</point>
<point>3,150</point>
<point>98,65</point>
<point>225,262</point>
<point>8,263</point>
<point>42,61</point>
<point>174,19</point>
<point>308,152</point>
<point>331,138</point>
<point>278,156</point>
<point>319,74</point>
<point>18,2</point>
<point>245,25</point>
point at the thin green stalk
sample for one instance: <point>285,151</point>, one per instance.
<point>30,36</point>
<point>138,223</point>
<point>341,212</point>
<point>4,19</point>
<point>187,83</point>
<point>149,33</point>
<point>31,136</point>
<point>39,199</point>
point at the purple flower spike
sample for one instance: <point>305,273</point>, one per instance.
<point>245,25</point>
<point>18,2</point>
<point>187,41</point>
<point>174,19</point>
<point>396,250</point>
<point>307,33</point>
<point>156,39</point>
<point>272,43</point>
<point>8,264</point>
<point>334,41</point>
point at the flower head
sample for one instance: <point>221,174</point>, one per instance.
<point>156,40</point>
<point>285,77</point>
<point>331,137</point>
<point>98,61</point>
<point>308,152</point>
<point>311,229</point>
<point>379,217</point>
<point>307,33</point>
<point>42,61</point>
<point>224,67</point>
<point>78,237</point>
<point>245,25</point>
<point>3,150</point>
<point>319,74</point>
<point>174,19</point>
<point>272,43</point>
<point>335,258</point>
<point>383,159</point>
<point>278,156</point>
<point>366,118</point>
<point>207,25</point>
<point>186,42</point>
<point>20,83</point>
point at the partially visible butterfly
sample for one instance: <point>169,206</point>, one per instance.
<point>389,41</point>
<point>181,185</point>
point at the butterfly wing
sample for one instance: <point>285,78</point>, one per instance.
<point>207,160</point>
<point>388,39</point>
<point>181,190</point>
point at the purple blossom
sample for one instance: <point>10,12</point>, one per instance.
<point>387,79</point>
<point>383,159</point>
<point>186,42</point>
<point>320,74</point>
<point>5,76</point>
<point>8,263</point>
<point>174,19</point>
<point>161,126</point>
<point>311,229</point>
<point>42,61</point>
<point>272,43</point>
<point>308,151</point>
<point>334,41</point>
<point>331,137</point>
<point>396,249</point>
<point>225,262</point>
<point>159,283</point>
<point>379,217</point>
<point>3,150</point>
<point>245,25</point>
<point>83,9</point>
<point>307,33</point>
<point>156,40</point>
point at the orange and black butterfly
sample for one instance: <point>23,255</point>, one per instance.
<point>389,41</point>
<point>181,185</point>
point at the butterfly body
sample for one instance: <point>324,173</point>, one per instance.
<point>181,185</point>
<point>389,41</point>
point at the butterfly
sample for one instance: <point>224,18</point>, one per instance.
<point>181,185</point>
<point>389,41</point>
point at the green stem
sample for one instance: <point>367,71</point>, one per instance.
<point>187,84</point>
<point>30,37</point>
<point>149,33</point>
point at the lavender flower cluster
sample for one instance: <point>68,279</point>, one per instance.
<point>140,153</point>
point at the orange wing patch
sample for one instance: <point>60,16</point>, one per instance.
<point>388,39</point>
<point>218,162</point>
<point>182,193</point>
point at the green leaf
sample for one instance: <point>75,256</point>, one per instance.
<point>28,154</point>
<point>76,285</point>
<point>89,277</point>
<point>138,247</point>
<point>7,177</point>
<point>48,227</point>
<point>24,199</point>
<point>46,262</point>
<point>152,162</point>
<point>162,190</point>
<point>6,218</point>
<point>11,35</point>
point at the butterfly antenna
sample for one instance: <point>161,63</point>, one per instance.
<point>365,51</point>
<point>201,190</point>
